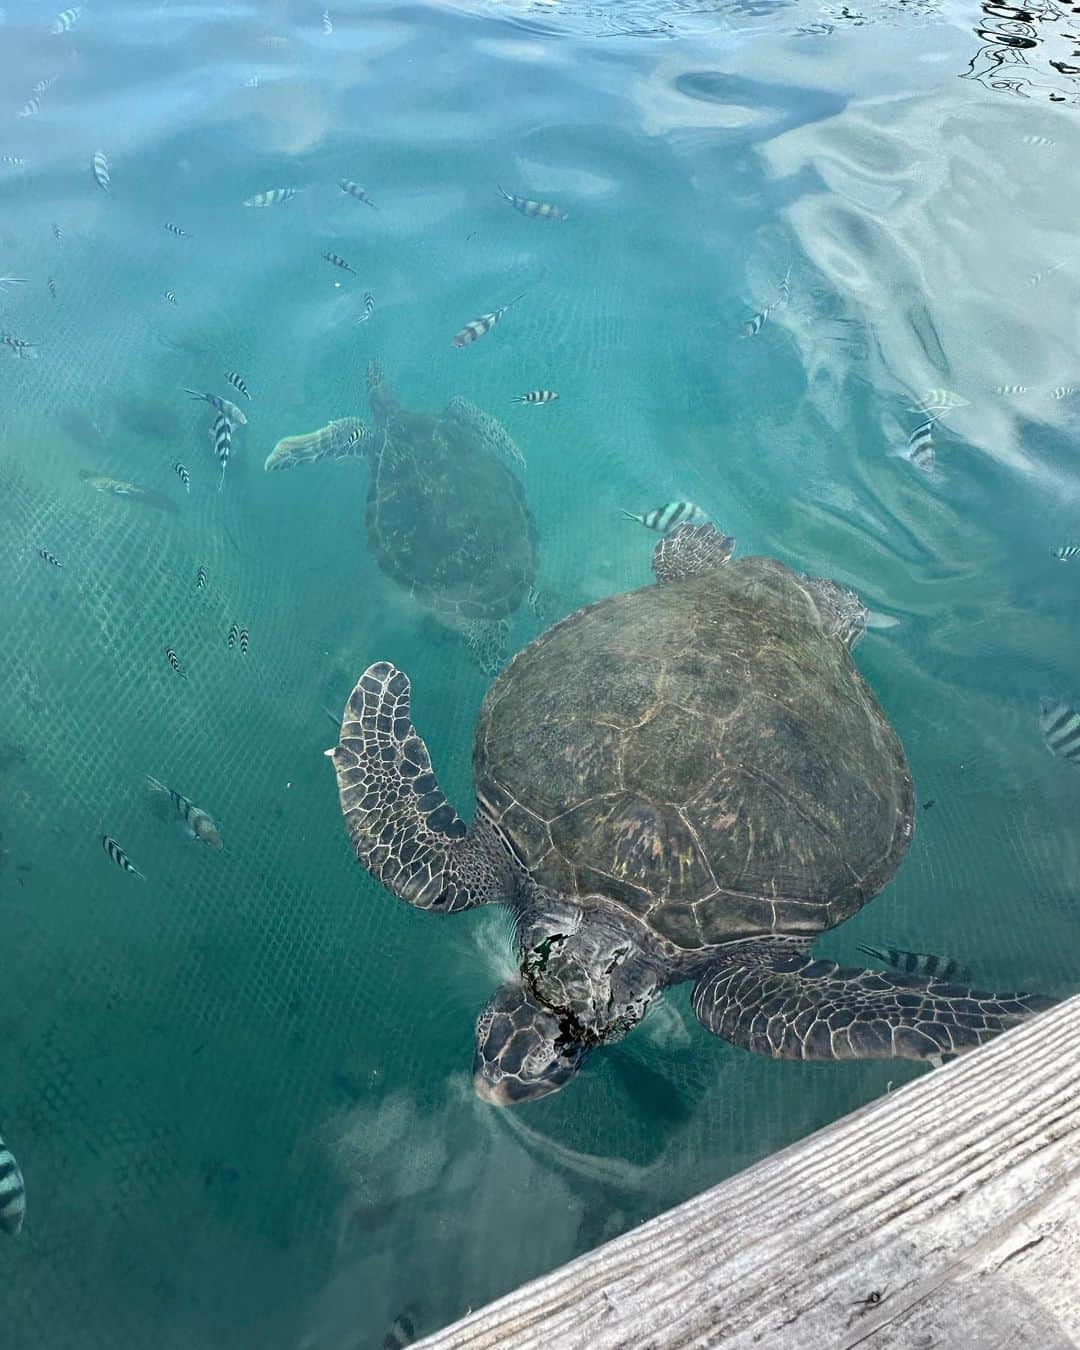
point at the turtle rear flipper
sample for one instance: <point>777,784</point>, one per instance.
<point>403,829</point>
<point>797,1008</point>
<point>690,550</point>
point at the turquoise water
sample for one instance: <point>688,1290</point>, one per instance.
<point>239,1090</point>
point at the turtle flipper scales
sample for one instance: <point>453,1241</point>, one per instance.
<point>690,550</point>
<point>797,1008</point>
<point>403,829</point>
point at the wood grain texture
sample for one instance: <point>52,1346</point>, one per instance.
<point>957,1198</point>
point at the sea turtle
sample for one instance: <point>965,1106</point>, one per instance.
<point>689,781</point>
<point>446,518</point>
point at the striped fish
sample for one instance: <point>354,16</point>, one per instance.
<point>401,1334</point>
<point>338,261</point>
<point>197,822</point>
<point>327,23</point>
<point>754,325</point>
<point>534,210</point>
<point>352,189</point>
<point>484,324</point>
<point>243,638</point>
<point>1060,727</point>
<point>200,577</point>
<point>31,107</point>
<point>49,558</point>
<point>537,396</point>
<point>1065,552</point>
<point>357,434</point>
<point>43,85</point>
<point>234,633</point>
<point>1011,389</point>
<point>272,197</point>
<point>171,297</point>
<point>369,307</point>
<point>58,235</point>
<point>237,383</point>
<point>17,344</point>
<point>52,287</point>
<point>12,1192</point>
<point>920,447</point>
<point>1064,391</point>
<point>783,292</point>
<point>174,661</point>
<point>99,167</point>
<point>182,473</point>
<point>119,857</point>
<point>222,405</point>
<point>175,229</point>
<point>1038,140</point>
<point>66,19</point>
<point>12,161</point>
<point>221,434</point>
<point>925,964</point>
<point>664,518</point>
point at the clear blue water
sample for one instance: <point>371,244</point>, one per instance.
<point>239,1090</point>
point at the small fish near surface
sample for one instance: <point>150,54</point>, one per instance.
<point>352,189</point>
<point>58,235</point>
<point>66,20</point>
<point>369,307</point>
<point>234,633</point>
<point>182,473</point>
<point>664,519</point>
<point>171,297</point>
<point>12,1192</point>
<point>476,328</point>
<point>174,661</point>
<point>17,344</point>
<point>52,287</point>
<point>402,1333</point>
<point>222,405</point>
<point>221,435</point>
<point>534,210</point>
<point>31,107</point>
<point>271,197</point>
<point>197,823</point>
<point>12,161</point>
<point>99,167</point>
<point>935,402</point>
<point>336,260</point>
<point>327,23</point>
<point>231,377</point>
<point>117,487</point>
<point>48,557</point>
<point>1060,727</point>
<point>754,325</point>
<point>175,229</point>
<point>119,857</point>
<point>537,396</point>
<point>923,964</point>
<point>200,577</point>
<point>920,447</point>
<point>243,639</point>
<point>1065,552</point>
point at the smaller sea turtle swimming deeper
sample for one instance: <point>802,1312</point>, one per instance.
<point>686,782</point>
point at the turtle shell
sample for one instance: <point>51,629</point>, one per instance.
<point>445,518</point>
<point>703,752</point>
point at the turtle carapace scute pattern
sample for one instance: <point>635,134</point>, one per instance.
<point>682,783</point>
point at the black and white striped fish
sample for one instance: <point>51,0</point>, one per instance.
<point>237,383</point>
<point>352,189</point>
<point>401,1334</point>
<point>197,822</point>
<point>58,235</point>
<point>754,325</point>
<point>119,857</point>
<point>49,558</point>
<point>1060,727</point>
<point>234,633</point>
<point>534,210</point>
<point>1011,389</point>
<point>222,405</point>
<point>12,161</point>
<point>357,434</point>
<point>171,297</point>
<point>1065,552</point>
<point>924,964</point>
<point>271,197</point>
<point>369,307</point>
<point>52,287</point>
<point>200,577</point>
<point>221,434</point>
<point>1038,140</point>
<point>920,447</point>
<point>31,107</point>
<point>175,229</point>
<point>338,261</point>
<point>99,167</point>
<point>537,396</point>
<point>476,328</point>
<point>12,1191</point>
<point>182,473</point>
<point>664,518</point>
<point>327,23</point>
<point>243,638</point>
<point>174,661</point>
<point>1064,391</point>
<point>17,344</point>
<point>44,84</point>
<point>66,19</point>
<point>934,402</point>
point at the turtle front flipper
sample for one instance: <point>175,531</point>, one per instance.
<point>403,829</point>
<point>690,550</point>
<point>792,1007</point>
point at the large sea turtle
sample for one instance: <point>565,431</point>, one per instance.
<point>446,519</point>
<point>689,781</point>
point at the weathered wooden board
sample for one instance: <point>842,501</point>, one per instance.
<point>957,1199</point>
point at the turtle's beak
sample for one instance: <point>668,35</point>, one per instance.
<point>520,1053</point>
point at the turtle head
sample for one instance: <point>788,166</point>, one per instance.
<point>585,981</point>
